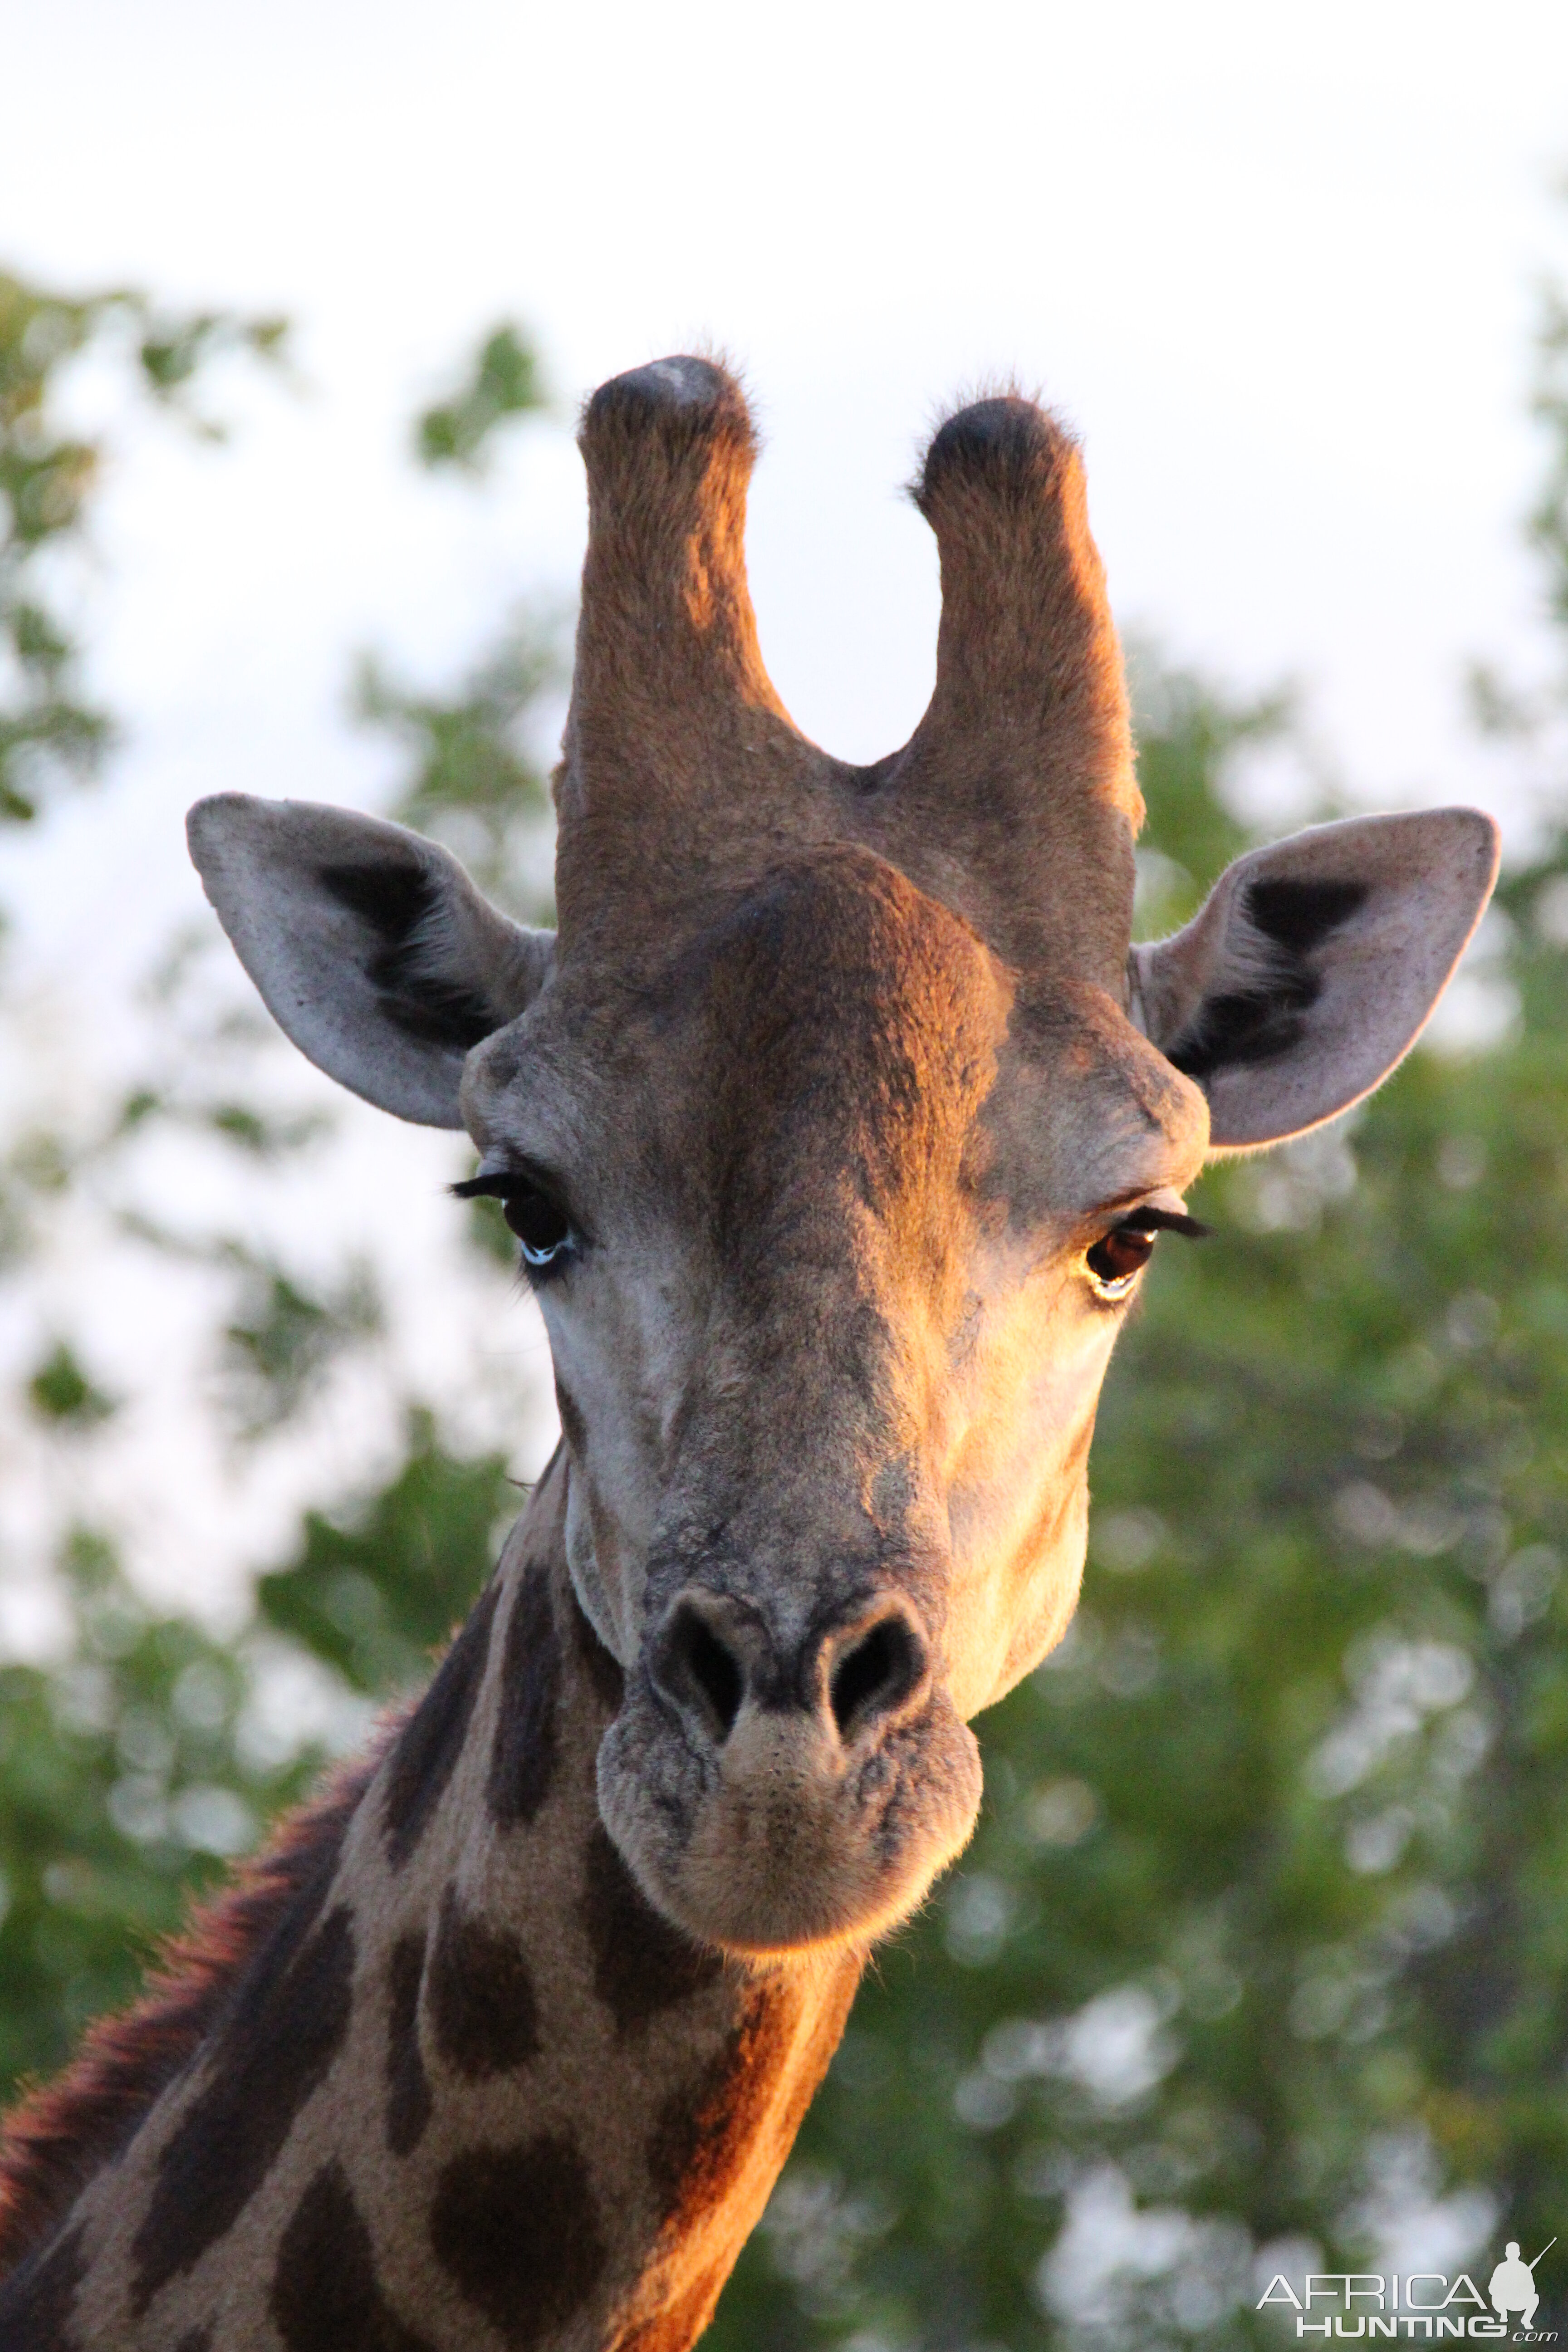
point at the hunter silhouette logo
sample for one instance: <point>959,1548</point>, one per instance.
<point>1425,2307</point>
<point>1512,2286</point>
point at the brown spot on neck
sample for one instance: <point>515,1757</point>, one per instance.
<point>523,1759</point>
<point>641,1963</point>
<point>408,2099</point>
<point>483,2009</point>
<point>517,2228</point>
<point>290,2020</point>
<point>326,2297</point>
<point>427,1753</point>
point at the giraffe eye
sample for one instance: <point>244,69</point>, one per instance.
<point>1118,1258</point>
<point>1115,1261</point>
<point>534,1215</point>
<point>539,1223</point>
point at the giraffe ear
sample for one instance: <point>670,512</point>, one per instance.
<point>370,946</point>
<point>1313,967</point>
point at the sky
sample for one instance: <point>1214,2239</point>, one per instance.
<point>1279,267</point>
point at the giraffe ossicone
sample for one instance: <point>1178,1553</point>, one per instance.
<point>836,1122</point>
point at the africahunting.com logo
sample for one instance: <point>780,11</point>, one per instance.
<point>1423,2305</point>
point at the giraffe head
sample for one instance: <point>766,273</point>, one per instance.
<point>836,1123</point>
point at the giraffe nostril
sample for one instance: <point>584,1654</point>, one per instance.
<point>712,1656</point>
<point>874,1674</point>
<point>699,1668</point>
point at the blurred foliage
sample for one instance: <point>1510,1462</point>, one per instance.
<point>504,381</point>
<point>476,775</point>
<point>60,1392</point>
<point>374,1593</point>
<point>149,1749</point>
<point>284,1336</point>
<point>48,729</point>
<point>476,780</point>
<point>146,1748</point>
<point>1549,517</point>
<point>144,1756</point>
<point>1190,737</point>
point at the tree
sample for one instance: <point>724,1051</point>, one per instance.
<point>144,1748</point>
<point>49,734</point>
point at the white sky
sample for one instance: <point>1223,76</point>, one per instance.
<point>1278,263</point>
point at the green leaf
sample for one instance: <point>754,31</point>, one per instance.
<point>59,1391</point>
<point>373,1593</point>
<point>503,382</point>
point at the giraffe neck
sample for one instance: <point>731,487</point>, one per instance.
<point>472,2091</point>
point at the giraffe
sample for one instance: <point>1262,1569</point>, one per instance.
<point>836,1124</point>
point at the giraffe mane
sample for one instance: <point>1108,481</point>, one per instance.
<point>63,2132</point>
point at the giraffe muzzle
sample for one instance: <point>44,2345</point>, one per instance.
<point>714,1660</point>
<point>772,1793</point>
